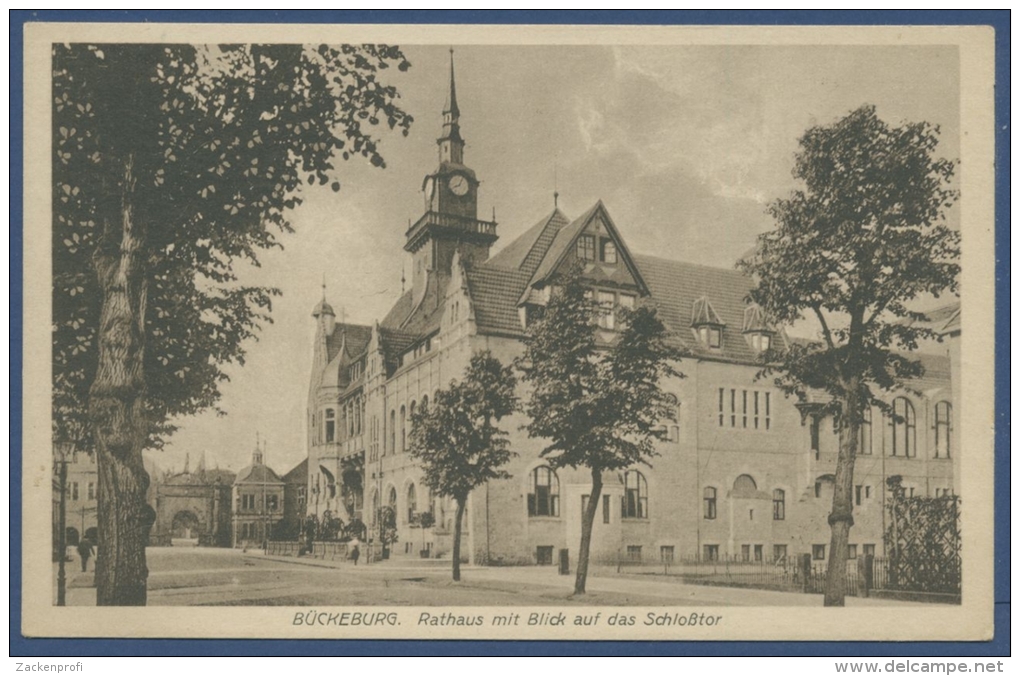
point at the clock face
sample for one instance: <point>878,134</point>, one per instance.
<point>458,186</point>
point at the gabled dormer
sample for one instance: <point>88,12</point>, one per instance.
<point>706,324</point>
<point>757,331</point>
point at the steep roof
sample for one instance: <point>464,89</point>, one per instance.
<point>527,251</point>
<point>564,237</point>
<point>357,336</point>
<point>677,286</point>
<point>257,474</point>
<point>494,294</point>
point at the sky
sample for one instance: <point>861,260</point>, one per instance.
<point>684,145</point>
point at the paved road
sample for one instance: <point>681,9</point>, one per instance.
<point>191,576</point>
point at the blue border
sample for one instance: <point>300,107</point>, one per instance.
<point>999,646</point>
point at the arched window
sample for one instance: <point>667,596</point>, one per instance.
<point>375,507</point>
<point>425,402</point>
<point>943,429</point>
<point>403,429</point>
<point>393,431</point>
<point>543,492</point>
<point>391,502</point>
<point>778,504</point>
<point>635,495</point>
<point>411,411</point>
<point>865,441</point>
<point>744,484</point>
<point>710,502</point>
<point>330,425</point>
<point>412,502</point>
<point>903,428</point>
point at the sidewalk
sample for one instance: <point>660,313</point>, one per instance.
<point>80,589</point>
<point>638,589</point>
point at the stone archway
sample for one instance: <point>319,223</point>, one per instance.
<point>71,536</point>
<point>185,526</point>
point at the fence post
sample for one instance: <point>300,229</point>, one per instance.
<point>866,574</point>
<point>805,572</point>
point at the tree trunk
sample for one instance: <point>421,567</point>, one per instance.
<point>841,518</point>
<point>117,410</point>
<point>457,523</point>
<point>587,523</point>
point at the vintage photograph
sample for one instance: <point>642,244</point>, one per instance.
<point>516,336</point>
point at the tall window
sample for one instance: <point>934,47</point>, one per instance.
<point>403,429</point>
<point>543,493</point>
<point>710,552</point>
<point>609,251</point>
<point>903,425</point>
<point>412,502</point>
<point>607,301</point>
<point>710,502</point>
<point>586,247</point>
<point>635,498</point>
<point>778,504</point>
<point>330,425</point>
<point>943,429</point>
<point>92,490</point>
<point>75,490</point>
<point>393,431</point>
<point>865,441</point>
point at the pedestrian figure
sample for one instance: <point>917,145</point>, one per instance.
<point>85,550</point>
<point>355,553</point>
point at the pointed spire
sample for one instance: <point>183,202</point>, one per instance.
<point>451,98</point>
<point>556,190</point>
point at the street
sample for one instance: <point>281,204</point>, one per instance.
<point>187,576</point>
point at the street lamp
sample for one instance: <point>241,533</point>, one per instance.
<point>62,451</point>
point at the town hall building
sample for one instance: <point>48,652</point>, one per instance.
<point>744,472</point>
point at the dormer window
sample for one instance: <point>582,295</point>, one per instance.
<point>608,252</point>
<point>761,342</point>
<point>710,336</point>
<point>707,324</point>
<point>586,247</point>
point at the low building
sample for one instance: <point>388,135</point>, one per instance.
<point>258,500</point>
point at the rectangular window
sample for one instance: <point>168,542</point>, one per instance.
<point>869,550</point>
<point>710,552</point>
<point>768,410</point>
<point>759,553</point>
<point>779,553</point>
<point>710,504</point>
<point>627,301</point>
<point>586,247</point>
<point>745,552</point>
<point>851,551</point>
<point>606,509</point>
<point>273,502</point>
<point>733,408</point>
<point>544,556</point>
<point>633,552</point>
<point>74,490</point>
<point>608,251</point>
<point>858,492</point>
<point>815,436</point>
<point>756,404</point>
<point>818,552</point>
<point>91,490</point>
<point>721,394</point>
<point>607,301</point>
<point>867,492</point>
<point>743,394</point>
<point>714,337</point>
<point>666,553</point>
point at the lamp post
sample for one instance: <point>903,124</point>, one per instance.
<point>62,451</point>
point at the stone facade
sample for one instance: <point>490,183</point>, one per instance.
<point>745,472</point>
<point>192,508</point>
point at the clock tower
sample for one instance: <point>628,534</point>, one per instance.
<point>450,222</point>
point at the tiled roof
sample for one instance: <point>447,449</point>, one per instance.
<point>494,293</point>
<point>357,340</point>
<point>298,474</point>
<point>565,236</point>
<point>527,251</point>
<point>257,474</point>
<point>702,312</point>
<point>676,286</point>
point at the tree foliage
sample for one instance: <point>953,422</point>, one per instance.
<point>173,166</point>
<point>600,405</point>
<point>456,438</point>
<point>852,250</point>
<point>220,140</point>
